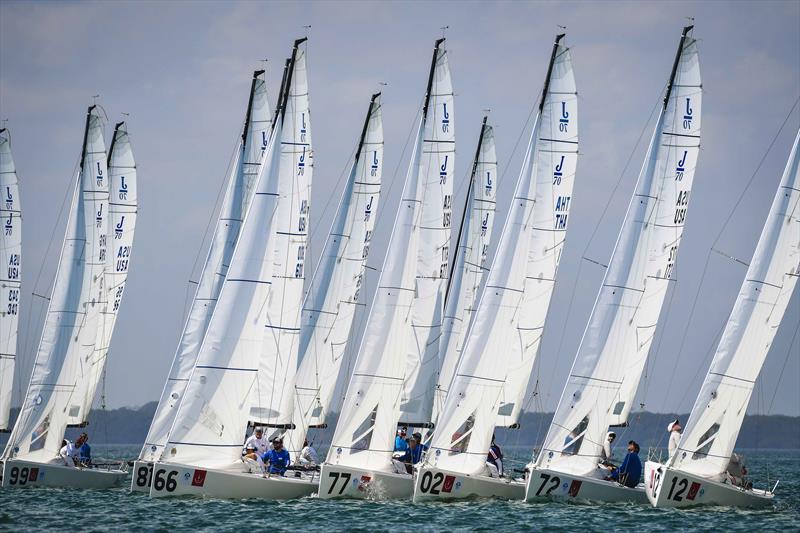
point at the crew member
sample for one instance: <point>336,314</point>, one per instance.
<point>630,471</point>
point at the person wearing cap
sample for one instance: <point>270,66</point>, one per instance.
<point>400,442</point>
<point>85,451</point>
<point>674,430</point>
<point>70,451</point>
<point>256,444</point>
<point>413,454</point>
<point>308,455</point>
<point>630,471</point>
<point>494,460</point>
<point>607,455</point>
<point>276,460</point>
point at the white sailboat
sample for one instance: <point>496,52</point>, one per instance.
<point>241,185</point>
<point>608,366</point>
<point>11,255</point>
<point>506,331</point>
<point>467,273</point>
<point>334,297</point>
<point>55,393</point>
<point>203,449</point>
<point>699,472</point>
<point>394,372</point>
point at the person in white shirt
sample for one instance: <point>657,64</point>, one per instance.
<point>70,450</point>
<point>674,429</point>
<point>308,455</point>
<point>256,445</point>
<point>607,454</point>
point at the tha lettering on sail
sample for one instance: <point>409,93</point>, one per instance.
<point>561,212</point>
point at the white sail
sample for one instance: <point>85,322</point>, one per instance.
<point>273,396</point>
<point>241,182</point>
<point>11,255</point>
<point>367,425</point>
<point>469,265</point>
<point>710,435</point>
<point>334,296</point>
<point>608,366</point>
<point>211,422</point>
<point>122,207</point>
<point>52,400</point>
<point>510,316</point>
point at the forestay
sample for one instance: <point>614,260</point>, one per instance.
<point>605,375</point>
<point>122,223</point>
<point>513,305</point>
<point>469,265</point>
<point>239,191</point>
<point>334,297</point>
<point>273,396</point>
<point>366,429</point>
<point>70,326</point>
<point>707,443</point>
<point>11,255</point>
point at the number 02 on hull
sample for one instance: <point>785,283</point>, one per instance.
<point>433,484</point>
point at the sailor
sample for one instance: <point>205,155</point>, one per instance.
<point>256,444</point>
<point>413,454</point>
<point>400,443</point>
<point>607,455</point>
<point>276,460</point>
<point>674,430</point>
<point>308,455</point>
<point>70,450</point>
<point>85,451</point>
<point>494,461</point>
<point>630,471</point>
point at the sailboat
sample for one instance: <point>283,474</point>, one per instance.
<point>336,287</point>
<point>228,388</point>
<point>84,296</point>
<point>239,193</point>
<point>611,357</point>
<point>468,270</point>
<point>507,327</point>
<point>699,472</point>
<point>11,255</point>
<point>394,371</point>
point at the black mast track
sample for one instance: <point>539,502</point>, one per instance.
<point>114,139</point>
<point>430,77</point>
<point>280,93</point>
<point>466,208</point>
<point>684,34</point>
<point>550,70</point>
<point>366,124</point>
<point>256,74</point>
<point>86,133</point>
<point>289,72</point>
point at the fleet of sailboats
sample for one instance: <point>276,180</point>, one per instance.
<point>450,338</point>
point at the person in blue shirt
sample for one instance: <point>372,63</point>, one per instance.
<point>276,460</point>
<point>85,451</point>
<point>494,460</point>
<point>400,442</point>
<point>630,471</point>
<point>413,454</point>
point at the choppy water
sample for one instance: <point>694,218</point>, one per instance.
<point>118,510</point>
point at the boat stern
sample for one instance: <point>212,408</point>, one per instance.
<point>668,487</point>
<point>433,484</point>
<point>543,484</point>
<point>338,481</point>
<point>24,474</point>
<point>142,476</point>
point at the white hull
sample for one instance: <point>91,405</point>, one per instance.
<point>141,476</point>
<point>543,484</point>
<point>23,474</point>
<point>169,480</point>
<point>666,487</point>
<point>337,481</point>
<point>434,484</point>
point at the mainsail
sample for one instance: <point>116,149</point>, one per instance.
<point>53,399</point>
<point>11,255</point>
<point>241,182</point>
<point>336,286</point>
<point>610,360</point>
<point>710,435</point>
<point>507,327</point>
<point>211,421</point>
<point>273,396</point>
<point>122,207</point>
<point>468,266</point>
<point>408,298</point>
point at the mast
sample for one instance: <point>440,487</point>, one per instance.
<point>550,71</point>
<point>247,114</point>
<point>430,78</point>
<point>674,71</point>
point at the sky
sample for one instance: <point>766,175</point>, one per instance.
<point>182,70</point>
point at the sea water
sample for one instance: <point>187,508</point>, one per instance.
<point>119,510</point>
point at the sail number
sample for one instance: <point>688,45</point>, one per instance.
<point>547,479</point>
<point>336,476</point>
<point>680,207</point>
<point>431,483</point>
<point>22,476</point>
<point>144,476</point>
<point>13,301</point>
<point>13,266</point>
<point>168,482</point>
